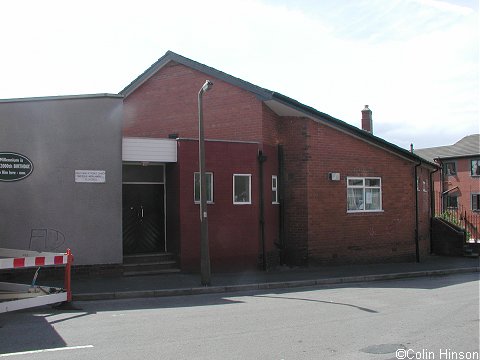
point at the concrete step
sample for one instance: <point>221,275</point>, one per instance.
<point>151,272</point>
<point>149,264</point>
<point>147,258</point>
<point>157,265</point>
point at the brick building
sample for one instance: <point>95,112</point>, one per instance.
<point>286,183</point>
<point>457,185</point>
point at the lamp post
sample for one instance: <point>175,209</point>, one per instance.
<point>204,247</point>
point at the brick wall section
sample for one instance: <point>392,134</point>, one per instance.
<point>336,236</point>
<point>424,211</point>
<point>234,230</point>
<point>270,126</point>
<point>271,210</point>
<point>294,138</point>
<point>168,103</point>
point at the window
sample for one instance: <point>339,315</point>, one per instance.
<point>364,194</point>
<point>242,189</point>
<point>450,168</point>
<point>424,186</point>
<point>274,189</point>
<point>476,202</point>
<point>451,202</point>
<point>196,187</point>
<point>475,167</point>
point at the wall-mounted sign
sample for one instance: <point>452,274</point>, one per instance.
<point>14,166</point>
<point>90,176</point>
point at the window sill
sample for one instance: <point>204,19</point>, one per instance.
<point>364,211</point>
<point>242,203</point>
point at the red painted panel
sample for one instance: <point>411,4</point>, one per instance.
<point>18,262</point>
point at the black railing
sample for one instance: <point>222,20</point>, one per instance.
<point>461,217</point>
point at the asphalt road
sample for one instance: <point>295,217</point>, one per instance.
<point>426,318</point>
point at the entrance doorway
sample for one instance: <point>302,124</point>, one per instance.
<point>143,209</point>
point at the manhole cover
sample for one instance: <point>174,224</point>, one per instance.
<point>382,348</point>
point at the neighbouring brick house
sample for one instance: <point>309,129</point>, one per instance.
<point>286,183</point>
<point>457,184</point>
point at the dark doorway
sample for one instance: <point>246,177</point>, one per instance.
<point>143,218</point>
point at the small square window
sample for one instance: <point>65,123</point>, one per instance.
<point>196,187</point>
<point>242,189</point>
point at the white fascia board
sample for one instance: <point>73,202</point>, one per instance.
<point>149,150</point>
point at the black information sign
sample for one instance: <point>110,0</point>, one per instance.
<point>14,166</point>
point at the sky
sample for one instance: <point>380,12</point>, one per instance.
<point>414,62</point>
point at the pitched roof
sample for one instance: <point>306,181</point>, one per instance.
<point>280,104</point>
<point>467,146</point>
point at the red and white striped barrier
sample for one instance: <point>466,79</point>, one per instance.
<point>24,262</point>
<point>25,296</point>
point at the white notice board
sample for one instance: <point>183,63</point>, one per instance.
<point>89,176</point>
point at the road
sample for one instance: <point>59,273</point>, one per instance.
<point>428,318</point>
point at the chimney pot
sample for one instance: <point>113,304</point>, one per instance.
<point>367,123</point>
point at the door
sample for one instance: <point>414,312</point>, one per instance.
<point>143,218</point>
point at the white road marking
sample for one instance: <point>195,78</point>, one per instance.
<point>47,350</point>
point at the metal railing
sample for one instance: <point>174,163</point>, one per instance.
<point>460,216</point>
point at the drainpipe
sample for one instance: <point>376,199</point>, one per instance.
<point>417,247</point>
<point>432,206</point>
<point>261,159</point>
<point>281,186</point>
<point>442,185</point>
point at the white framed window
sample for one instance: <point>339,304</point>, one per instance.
<point>475,169</point>
<point>242,189</point>
<point>196,187</point>
<point>364,194</point>
<point>274,189</point>
<point>450,168</point>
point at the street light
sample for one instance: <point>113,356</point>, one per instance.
<point>204,247</point>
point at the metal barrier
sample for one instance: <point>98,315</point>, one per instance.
<point>15,296</point>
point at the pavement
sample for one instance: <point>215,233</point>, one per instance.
<point>176,284</point>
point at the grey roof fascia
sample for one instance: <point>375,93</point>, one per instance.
<point>62,97</point>
<point>262,93</point>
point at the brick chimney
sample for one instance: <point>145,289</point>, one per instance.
<point>367,124</point>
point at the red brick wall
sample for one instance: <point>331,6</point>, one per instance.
<point>338,236</point>
<point>318,222</point>
<point>270,126</point>
<point>294,139</point>
<point>234,230</point>
<point>424,211</point>
<point>168,103</point>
